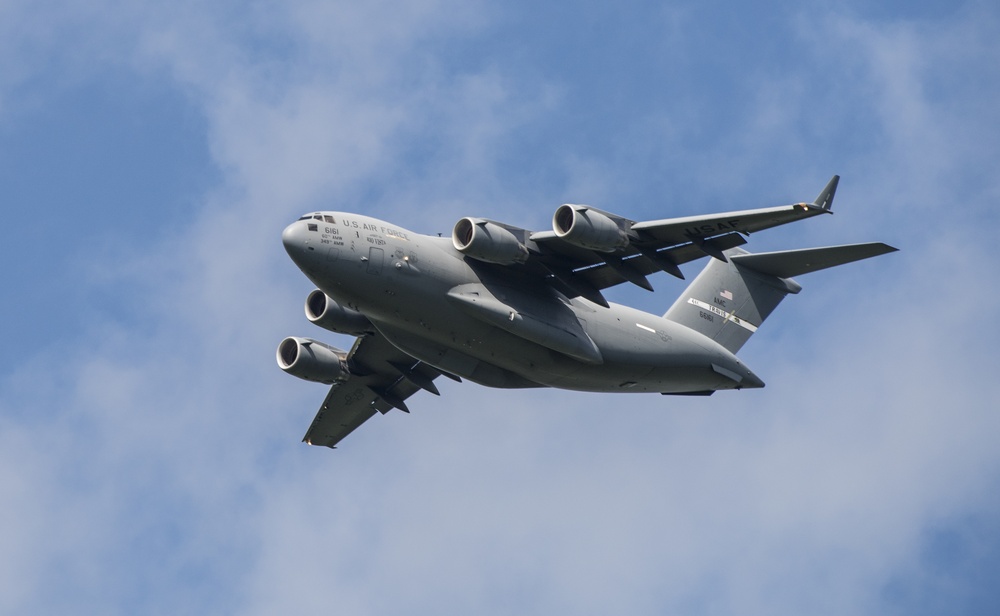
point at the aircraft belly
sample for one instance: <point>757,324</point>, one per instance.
<point>501,336</point>
<point>447,338</point>
<point>480,353</point>
<point>491,356</point>
<point>646,353</point>
<point>405,306</point>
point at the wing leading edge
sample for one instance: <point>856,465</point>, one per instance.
<point>381,378</point>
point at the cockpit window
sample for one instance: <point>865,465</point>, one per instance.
<point>328,219</point>
<point>306,217</point>
<point>317,217</point>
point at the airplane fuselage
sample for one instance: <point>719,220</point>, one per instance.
<point>480,322</point>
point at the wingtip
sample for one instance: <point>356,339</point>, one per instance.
<point>825,198</point>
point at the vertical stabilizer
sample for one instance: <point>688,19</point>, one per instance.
<point>728,301</point>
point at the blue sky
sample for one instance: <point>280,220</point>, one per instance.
<point>149,447</point>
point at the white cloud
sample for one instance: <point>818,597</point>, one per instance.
<point>158,471</point>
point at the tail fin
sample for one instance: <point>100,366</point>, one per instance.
<point>729,300</point>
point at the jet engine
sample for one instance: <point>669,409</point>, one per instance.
<point>312,360</point>
<point>322,310</point>
<point>487,241</point>
<point>588,228</point>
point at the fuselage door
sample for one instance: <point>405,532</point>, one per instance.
<point>375,256</point>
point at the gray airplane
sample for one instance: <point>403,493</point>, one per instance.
<point>511,308</point>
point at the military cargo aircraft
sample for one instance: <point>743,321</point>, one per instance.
<point>507,307</point>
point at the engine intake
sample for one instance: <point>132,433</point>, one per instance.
<point>588,228</point>
<point>487,241</point>
<point>322,310</point>
<point>312,360</point>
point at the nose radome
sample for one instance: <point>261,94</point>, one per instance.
<point>290,236</point>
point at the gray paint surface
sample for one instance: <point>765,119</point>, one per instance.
<point>507,307</point>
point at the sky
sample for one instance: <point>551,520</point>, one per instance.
<point>151,154</point>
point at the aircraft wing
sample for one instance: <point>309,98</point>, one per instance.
<point>381,378</point>
<point>657,245</point>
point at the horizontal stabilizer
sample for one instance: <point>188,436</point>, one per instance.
<point>727,302</point>
<point>789,263</point>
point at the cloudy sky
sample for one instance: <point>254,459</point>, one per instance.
<point>151,154</point>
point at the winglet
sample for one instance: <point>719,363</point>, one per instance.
<point>825,198</point>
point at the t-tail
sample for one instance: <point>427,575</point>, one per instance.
<point>730,299</point>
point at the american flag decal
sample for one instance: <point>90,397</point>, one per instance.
<point>726,294</point>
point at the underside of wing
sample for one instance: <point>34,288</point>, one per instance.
<point>653,246</point>
<point>344,409</point>
<point>381,378</point>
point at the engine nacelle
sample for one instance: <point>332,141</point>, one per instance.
<point>486,241</point>
<point>322,310</point>
<point>588,228</point>
<point>312,360</point>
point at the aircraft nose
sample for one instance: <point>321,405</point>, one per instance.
<point>291,237</point>
<point>296,238</point>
